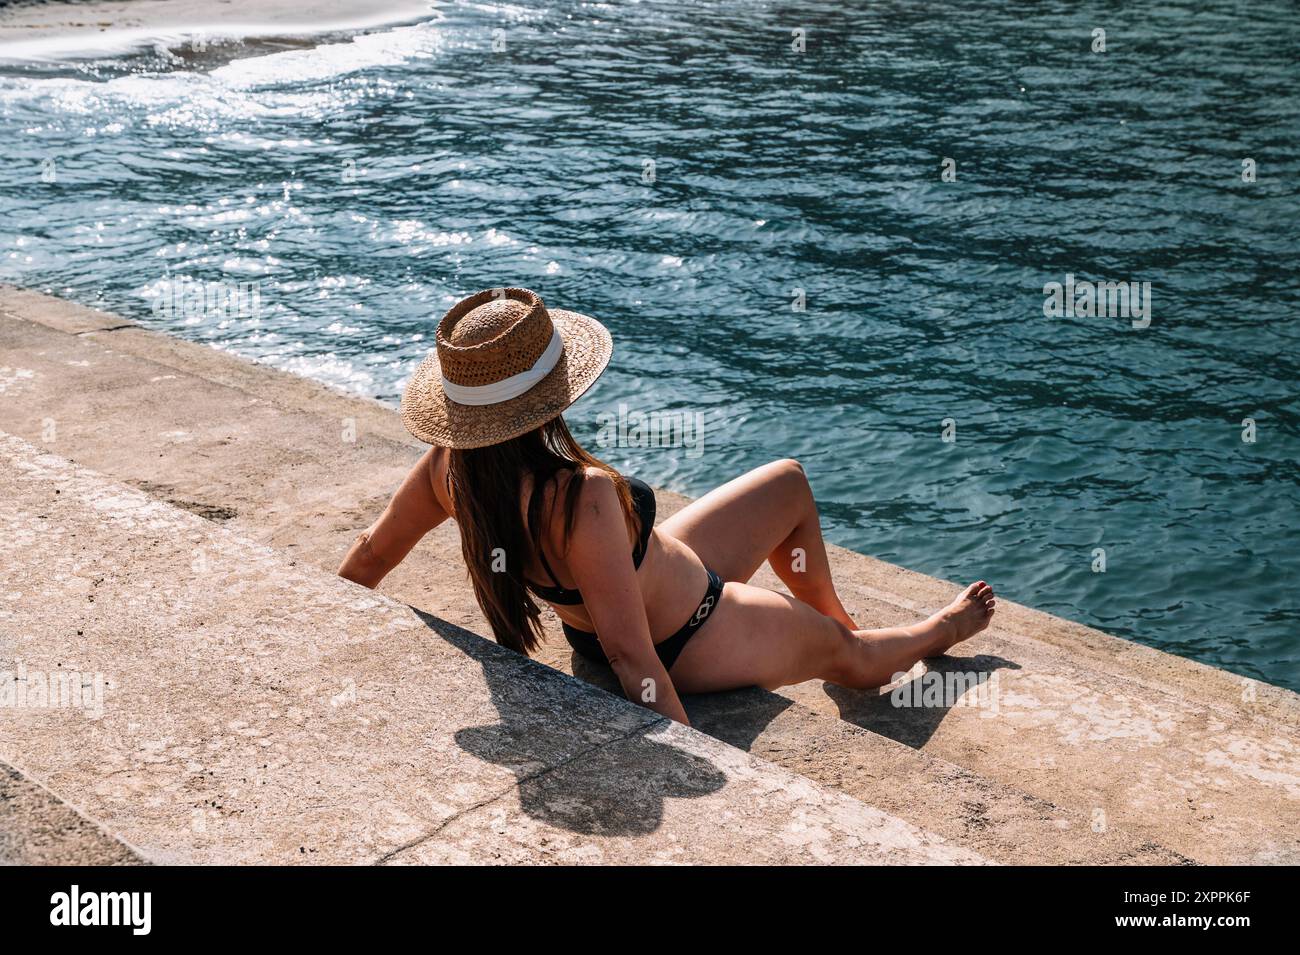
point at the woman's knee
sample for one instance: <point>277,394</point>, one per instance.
<point>789,475</point>
<point>790,469</point>
<point>847,662</point>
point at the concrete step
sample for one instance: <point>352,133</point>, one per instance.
<point>39,828</point>
<point>1100,749</point>
<point>226,704</point>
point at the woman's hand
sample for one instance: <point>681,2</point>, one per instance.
<point>600,559</point>
<point>413,512</point>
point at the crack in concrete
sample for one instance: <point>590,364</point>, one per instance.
<point>110,328</point>
<point>484,803</point>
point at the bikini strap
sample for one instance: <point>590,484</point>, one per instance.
<point>541,555</point>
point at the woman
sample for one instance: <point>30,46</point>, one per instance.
<point>667,606</point>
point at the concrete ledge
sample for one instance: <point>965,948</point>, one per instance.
<point>39,828</point>
<point>258,711</point>
<point>1102,750</point>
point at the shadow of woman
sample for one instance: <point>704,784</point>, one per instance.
<point>615,785</point>
<point>739,717</point>
<point>913,724</point>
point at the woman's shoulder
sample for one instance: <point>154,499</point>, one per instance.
<point>436,461</point>
<point>559,485</point>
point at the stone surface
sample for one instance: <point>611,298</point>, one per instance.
<point>38,828</point>
<point>240,707</point>
<point>1101,750</point>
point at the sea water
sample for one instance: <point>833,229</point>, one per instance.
<point>837,232</point>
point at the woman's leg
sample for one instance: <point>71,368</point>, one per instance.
<point>757,637</point>
<point>768,514</point>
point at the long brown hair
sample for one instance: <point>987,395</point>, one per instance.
<point>485,484</point>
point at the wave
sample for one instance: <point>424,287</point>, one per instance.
<point>77,45</point>
<point>289,80</point>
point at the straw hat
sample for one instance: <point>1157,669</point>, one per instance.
<point>503,364</point>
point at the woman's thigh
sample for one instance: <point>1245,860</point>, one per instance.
<point>757,637</point>
<point>734,527</point>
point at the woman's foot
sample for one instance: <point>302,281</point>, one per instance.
<point>963,618</point>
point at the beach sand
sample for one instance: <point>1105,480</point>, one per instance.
<point>63,29</point>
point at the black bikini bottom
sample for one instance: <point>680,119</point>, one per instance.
<point>585,642</point>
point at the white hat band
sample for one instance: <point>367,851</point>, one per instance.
<point>511,387</point>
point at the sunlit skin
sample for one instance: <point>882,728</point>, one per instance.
<point>755,636</point>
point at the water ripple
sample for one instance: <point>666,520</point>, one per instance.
<point>366,184</point>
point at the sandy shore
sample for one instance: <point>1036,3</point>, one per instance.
<point>62,29</point>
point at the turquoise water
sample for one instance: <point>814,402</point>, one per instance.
<point>365,185</point>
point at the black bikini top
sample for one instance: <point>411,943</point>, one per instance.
<point>643,502</point>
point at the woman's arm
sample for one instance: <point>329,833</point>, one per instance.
<point>601,562</point>
<point>413,512</point>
